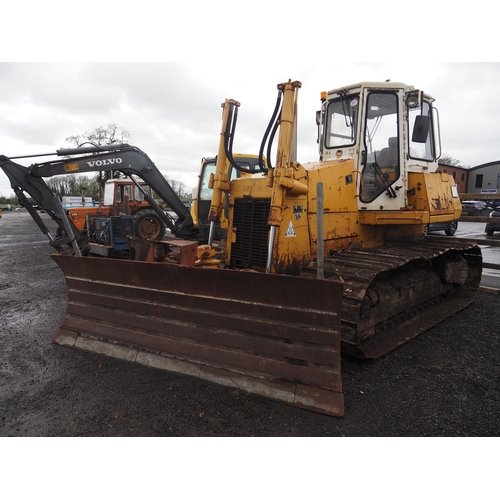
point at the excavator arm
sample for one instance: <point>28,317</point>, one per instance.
<point>25,185</point>
<point>129,160</point>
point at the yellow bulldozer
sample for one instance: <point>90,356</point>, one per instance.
<point>319,258</point>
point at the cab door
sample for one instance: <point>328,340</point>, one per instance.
<point>381,157</point>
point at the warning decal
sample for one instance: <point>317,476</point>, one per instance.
<point>290,232</point>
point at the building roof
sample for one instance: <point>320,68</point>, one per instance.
<point>484,165</point>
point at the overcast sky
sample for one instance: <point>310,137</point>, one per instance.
<point>173,110</point>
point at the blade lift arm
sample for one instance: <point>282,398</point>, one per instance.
<point>282,176</point>
<point>219,181</point>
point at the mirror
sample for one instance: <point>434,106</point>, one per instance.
<point>421,129</point>
<point>318,117</point>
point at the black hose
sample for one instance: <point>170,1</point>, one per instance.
<point>273,124</point>
<point>271,140</point>
<point>229,138</point>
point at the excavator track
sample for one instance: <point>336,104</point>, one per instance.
<point>393,293</point>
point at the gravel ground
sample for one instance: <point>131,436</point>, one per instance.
<point>444,383</point>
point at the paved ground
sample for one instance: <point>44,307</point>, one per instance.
<point>444,383</point>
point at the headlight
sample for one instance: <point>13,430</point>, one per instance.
<point>412,100</point>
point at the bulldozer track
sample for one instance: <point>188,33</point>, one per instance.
<point>403,273</point>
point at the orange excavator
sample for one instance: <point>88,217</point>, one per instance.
<point>319,256</point>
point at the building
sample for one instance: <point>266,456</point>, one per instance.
<point>484,179</point>
<point>460,175</point>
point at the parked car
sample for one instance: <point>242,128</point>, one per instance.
<point>475,208</point>
<point>494,225</point>
<point>449,227</point>
<point>493,204</point>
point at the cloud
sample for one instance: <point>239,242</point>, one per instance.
<point>173,110</point>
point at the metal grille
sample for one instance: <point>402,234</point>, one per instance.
<point>252,233</point>
<point>122,227</point>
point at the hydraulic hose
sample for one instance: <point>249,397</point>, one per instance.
<point>273,124</point>
<point>229,138</point>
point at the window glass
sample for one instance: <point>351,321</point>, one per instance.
<point>205,191</point>
<point>138,193</point>
<point>341,122</point>
<point>210,167</point>
<point>418,150</point>
<point>381,144</point>
<point>234,173</point>
<point>128,189</point>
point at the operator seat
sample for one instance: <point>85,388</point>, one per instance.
<point>388,157</point>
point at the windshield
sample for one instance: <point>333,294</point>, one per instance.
<point>341,121</point>
<point>209,168</point>
<point>205,191</point>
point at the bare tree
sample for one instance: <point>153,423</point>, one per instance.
<point>101,136</point>
<point>449,160</point>
<point>179,188</point>
<point>111,134</point>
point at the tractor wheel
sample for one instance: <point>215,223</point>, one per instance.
<point>148,225</point>
<point>452,228</point>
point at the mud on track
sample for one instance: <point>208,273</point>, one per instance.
<point>446,382</point>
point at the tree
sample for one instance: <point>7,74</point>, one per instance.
<point>101,136</point>
<point>449,160</point>
<point>8,200</point>
<point>74,185</point>
<point>112,134</point>
<point>179,188</point>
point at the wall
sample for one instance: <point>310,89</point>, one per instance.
<point>490,180</point>
<point>459,174</point>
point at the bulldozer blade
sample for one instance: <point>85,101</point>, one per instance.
<point>272,335</point>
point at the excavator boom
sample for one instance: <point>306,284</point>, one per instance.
<point>130,160</point>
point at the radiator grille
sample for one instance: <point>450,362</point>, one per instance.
<point>252,233</point>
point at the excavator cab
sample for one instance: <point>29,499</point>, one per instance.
<point>200,208</point>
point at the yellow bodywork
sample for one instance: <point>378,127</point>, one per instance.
<point>429,199</point>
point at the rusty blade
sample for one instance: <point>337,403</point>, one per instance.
<point>273,335</point>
